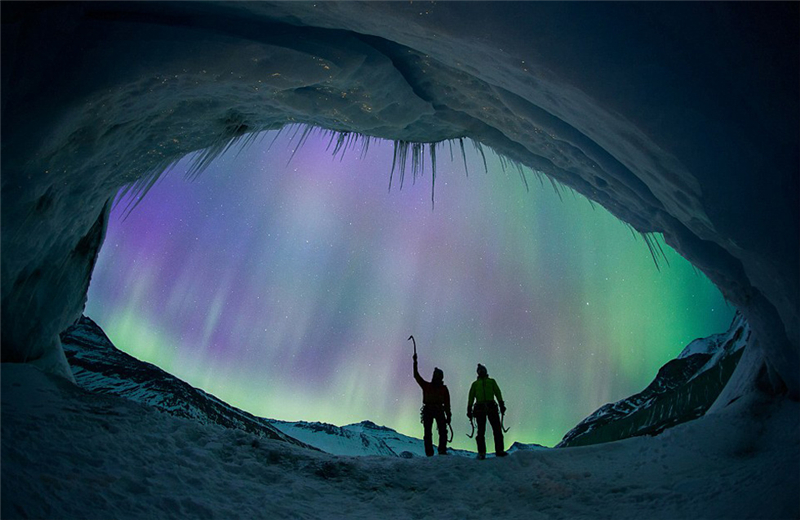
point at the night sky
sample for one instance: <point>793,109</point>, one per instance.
<point>289,289</point>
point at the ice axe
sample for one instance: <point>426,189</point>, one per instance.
<point>502,417</point>
<point>415,345</point>
<point>471,423</point>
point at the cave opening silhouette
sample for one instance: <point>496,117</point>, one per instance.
<point>680,120</point>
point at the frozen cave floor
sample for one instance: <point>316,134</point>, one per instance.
<point>67,453</point>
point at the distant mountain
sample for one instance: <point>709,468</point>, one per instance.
<point>367,438</point>
<point>683,390</point>
<point>339,440</point>
<point>100,367</point>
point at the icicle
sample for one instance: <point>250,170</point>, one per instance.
<point>414,162</point>
<point>433,173</point>
<point>347,139</point>
<point>648,240</point>
<point>340,142</point>
<point>140,188</point>
<point>403,159</point>
<point>307,131</point>
<point>330,141</point>
<point>399,161</point>
<point>522,175</point>
<point>291,139</point>
<point>555,188</point>
<point>365,145</point>
<point>540,176</point>
<point>464,155</point>
<point>394,163</point>
<point>419,155</point>
<point>277,134</point>
<point>661,251</point>
<point>479,147</point>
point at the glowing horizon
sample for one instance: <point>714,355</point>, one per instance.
<point>290,292</point>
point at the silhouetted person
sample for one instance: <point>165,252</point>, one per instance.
<point>435,407</point>
<point>483,391</point>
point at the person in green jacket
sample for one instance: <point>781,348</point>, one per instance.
<point>483,392</point>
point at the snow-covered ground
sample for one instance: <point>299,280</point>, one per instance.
<point>67,453</point>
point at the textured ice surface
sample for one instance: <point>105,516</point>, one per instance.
<point>636,121</point>
<point>680,119</point>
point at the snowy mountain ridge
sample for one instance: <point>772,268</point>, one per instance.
<point>683,389</point>
<point>364,438</point>
<point>368,438</point>
<point>100,367</point>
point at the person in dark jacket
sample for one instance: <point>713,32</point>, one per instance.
<point>435,407</point>
<point>483,392</point>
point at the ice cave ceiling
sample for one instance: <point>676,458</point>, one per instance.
<point>679,118</point>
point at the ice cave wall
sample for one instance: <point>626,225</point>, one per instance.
<point>680,119</point>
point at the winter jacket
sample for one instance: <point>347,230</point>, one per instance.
<point>433,394</point>
<point>484,390</point>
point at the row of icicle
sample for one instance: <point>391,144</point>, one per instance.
<point>339,143</point>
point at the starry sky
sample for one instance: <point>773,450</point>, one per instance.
<point>288,286</point>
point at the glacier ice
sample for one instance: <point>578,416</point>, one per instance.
<point>679,119</point>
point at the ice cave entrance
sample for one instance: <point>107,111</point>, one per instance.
<point>286,284</point>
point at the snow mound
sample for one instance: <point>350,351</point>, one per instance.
<point>68,453</point>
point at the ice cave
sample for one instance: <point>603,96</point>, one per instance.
<point>679,119</point>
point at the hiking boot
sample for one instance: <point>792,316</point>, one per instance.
<point>443,453</point>
<point>502,454</point>
<point>481,456</point>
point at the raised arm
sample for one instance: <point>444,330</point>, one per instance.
<point>418,377</point>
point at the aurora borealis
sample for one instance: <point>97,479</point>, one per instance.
<point>290,291</point>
